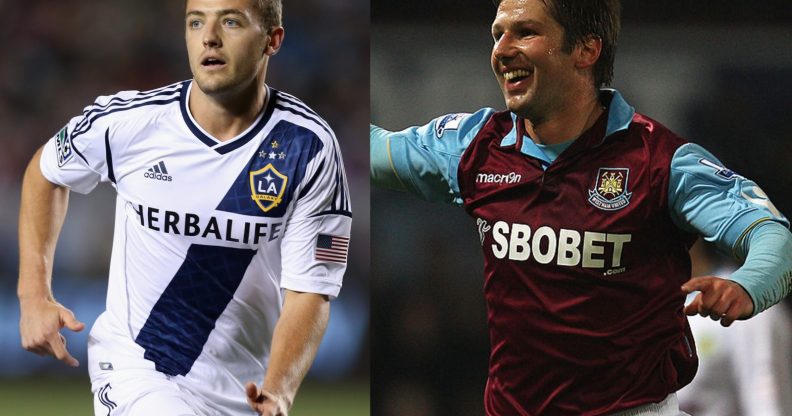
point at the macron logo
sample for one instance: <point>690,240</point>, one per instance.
<point>499,178</point>
<point>158,172</point>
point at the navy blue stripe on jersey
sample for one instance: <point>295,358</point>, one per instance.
<point>109,157</point>
<point>290,99</point>
<point>239,142</point>
<point>341,186</point>
<point>95,111</point>
<point>334,212</point>
<point>311,182</point>
<point>305,116</point>
<point>183,317</point>
<point>117,109</point>
<point>117,100</point>
<point>286,152</point>
<point>236,144</point>
<point>193,128</point>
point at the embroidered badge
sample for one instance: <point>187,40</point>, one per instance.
<point>449,122</point>
<point>267,186</point>
<point>63,146</point>
<point>610,189</point>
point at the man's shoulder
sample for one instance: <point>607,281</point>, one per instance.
<point>655,133</point>
<point>114,111</point>
<point>294,111</point>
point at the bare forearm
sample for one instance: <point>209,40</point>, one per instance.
<point>296,339</point>
<point>41,214</point>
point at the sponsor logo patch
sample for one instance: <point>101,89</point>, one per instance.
<point>721,171</point>
<point>267,187</point>
<point>63,146</point>
<point>610,189</point>
<point>449,122</point>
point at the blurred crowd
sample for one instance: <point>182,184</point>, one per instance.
<point>59,56</point>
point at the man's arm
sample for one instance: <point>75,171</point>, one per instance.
<point>41,214</point>
<point>295,341</point>
<point>423,160</point>
<point>735,214</point>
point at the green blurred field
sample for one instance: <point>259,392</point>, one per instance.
<point>70,397</point>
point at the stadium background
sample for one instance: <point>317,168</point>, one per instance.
<point>717,72</point>
<point>57,57</point>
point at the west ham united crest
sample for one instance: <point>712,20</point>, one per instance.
<point>610,189</point>
<point>267,186</point>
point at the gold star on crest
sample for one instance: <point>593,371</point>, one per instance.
<point>274,144</point>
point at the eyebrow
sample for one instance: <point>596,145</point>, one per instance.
<point>221,12</point>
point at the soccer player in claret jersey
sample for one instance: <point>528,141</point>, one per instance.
<point>232,227</point>
<point>586,210</point>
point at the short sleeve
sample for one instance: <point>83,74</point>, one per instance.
<point>711,200</point>
<point>424,159</point>
<point>316,242</point>
<point>76,157</point>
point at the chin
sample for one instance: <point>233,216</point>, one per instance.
<point>213,86</point>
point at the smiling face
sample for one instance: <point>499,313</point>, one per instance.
<point>227,47</point>
<point>536,76</point>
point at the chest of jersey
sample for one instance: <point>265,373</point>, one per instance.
<point>598,210</point>
<point>177,185</point>
<point>582,268</point>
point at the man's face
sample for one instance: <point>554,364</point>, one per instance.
<point>532,71</point>
<point>226,45</point>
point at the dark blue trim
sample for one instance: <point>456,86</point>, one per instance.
<point>109,157</point>
<point>79,154</point>
<point>296,101</point>
<point>334,212</point>
<point>236,144</point>
<point>115,110</point>
<point>116,102</point>
<point>179,324</point>
<point>305,116</point>
<point>193,128</point>
<point>311,182</point>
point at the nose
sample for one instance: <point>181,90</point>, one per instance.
<point>504,48</point>
<point>211,37</point>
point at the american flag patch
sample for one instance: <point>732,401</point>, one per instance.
<point>332,248</point>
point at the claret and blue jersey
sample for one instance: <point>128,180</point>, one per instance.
<point>207,233</point>
<point>585,245</point>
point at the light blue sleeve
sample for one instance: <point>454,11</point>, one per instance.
<point>767,272</point>
<point>725,208</point>
<point>423,160</point>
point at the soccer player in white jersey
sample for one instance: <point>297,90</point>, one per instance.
<point>232,228</point>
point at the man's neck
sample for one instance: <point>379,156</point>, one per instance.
<point>226,116</point>
<point>567,124</point>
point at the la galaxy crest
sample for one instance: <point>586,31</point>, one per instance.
<point>267,187</point>
<point>610,189</point>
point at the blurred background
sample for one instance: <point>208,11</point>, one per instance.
<point>57,58</point>
<point>719,73</point>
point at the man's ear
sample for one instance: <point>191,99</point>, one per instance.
<point>274,41</point>
<point>587,52</point>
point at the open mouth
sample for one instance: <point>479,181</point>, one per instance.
<point>212,62</point>
<point>517,75</point>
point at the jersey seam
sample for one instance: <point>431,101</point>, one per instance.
<point>745,234</point>
<point>390,162</point>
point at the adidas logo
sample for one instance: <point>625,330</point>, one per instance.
<point>158,172</point>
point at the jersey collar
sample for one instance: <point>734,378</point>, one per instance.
<point>236,142</point>
<point>620,114</point>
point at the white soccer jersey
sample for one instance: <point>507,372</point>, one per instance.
<point>207,233</point>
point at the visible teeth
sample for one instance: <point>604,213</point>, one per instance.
<point>516,74</point>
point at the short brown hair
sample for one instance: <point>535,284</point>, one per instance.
<point>583,18</point>
<point>271,12</point>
